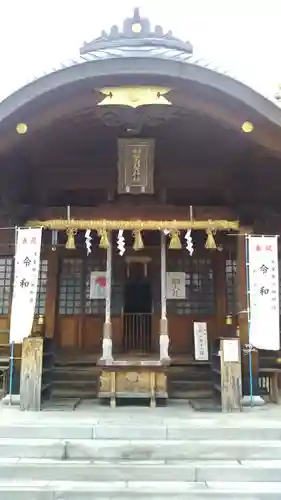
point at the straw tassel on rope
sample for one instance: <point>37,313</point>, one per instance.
<point>104,241</point>
<point>175,242</point>
<point>70,244</point>
<point>138,241</point>
<point>210,241</point>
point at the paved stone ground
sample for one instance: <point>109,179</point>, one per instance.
<point>176,412</point>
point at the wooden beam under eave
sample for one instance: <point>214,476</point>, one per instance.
<point>265,133</point>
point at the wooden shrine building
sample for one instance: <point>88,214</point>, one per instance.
<point>145,168</point>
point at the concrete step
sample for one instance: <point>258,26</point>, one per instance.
<point>190,431</point>
<point>139,450</point>
<point>153,471</point>
<point>71,490</point>
<point>172,450</point>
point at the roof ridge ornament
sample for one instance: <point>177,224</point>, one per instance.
<point>136,32</point>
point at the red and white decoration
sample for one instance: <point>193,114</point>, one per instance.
<point>27,263</point>
<point>98,285</point>
<point>264,292</point>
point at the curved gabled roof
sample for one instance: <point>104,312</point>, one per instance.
<point>138,50</point>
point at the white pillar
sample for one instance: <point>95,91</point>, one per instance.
<point>164,335</point>
<point>107,327</point>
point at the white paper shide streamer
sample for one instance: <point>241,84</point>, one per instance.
<point>88,241</point>
<point>189,242</point>
<point>121,242</point>
<point>27,263</point>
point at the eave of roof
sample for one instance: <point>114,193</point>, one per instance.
<point>149,52</point>
<point>182,65</point>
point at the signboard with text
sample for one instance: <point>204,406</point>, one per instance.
<point>175,285</point>
<point>201,351</point>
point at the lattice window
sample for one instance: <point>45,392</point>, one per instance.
<point>199,284</point>
<point>71,286</point>
<point>94,306</point>
<point>230,276</point>
<point>42,288</point>
<point>6,281</point>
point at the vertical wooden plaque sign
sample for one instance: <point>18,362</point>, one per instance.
<point>136,166</point>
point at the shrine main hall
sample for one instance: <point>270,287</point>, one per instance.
<point>146,170</point>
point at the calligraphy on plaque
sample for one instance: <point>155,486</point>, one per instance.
<point>201,351</point>
<point>264,292</point>
<point>136,166</point>
<point>175,285</point>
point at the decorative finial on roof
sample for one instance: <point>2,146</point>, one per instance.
<point>136,16</point>
<point>136,32</point>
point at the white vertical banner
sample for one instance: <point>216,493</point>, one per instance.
<point>27,262</point>
<point>264,292</point>
<point>201,352</point>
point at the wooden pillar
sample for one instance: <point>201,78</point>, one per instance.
<point>164,334</point>
<point>242,315</point>
<point>107,327</point>
<point>220,292</point>
<point>230,361</point>
<point>51,295</point>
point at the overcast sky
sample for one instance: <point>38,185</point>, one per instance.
<point>243,36</point>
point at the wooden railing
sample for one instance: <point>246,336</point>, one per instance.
<point>137,332</point>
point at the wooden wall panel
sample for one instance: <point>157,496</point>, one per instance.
<point>155,333</point>
<point>91,334</point>
<point>51,295</point>
<point>117,334</point>
<point>220,290</point>
<point>67,330</point>
<point>86,334</point>
<point>181,332</point>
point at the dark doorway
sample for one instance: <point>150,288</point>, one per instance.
<point>137,312</point>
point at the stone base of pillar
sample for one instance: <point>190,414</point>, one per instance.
<point>254,401</point>
<point>107,344</point>
<point>164,341</point>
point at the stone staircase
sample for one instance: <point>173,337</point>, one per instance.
<point>119,459</point>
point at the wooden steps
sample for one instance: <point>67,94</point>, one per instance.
<point>77,377</point>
